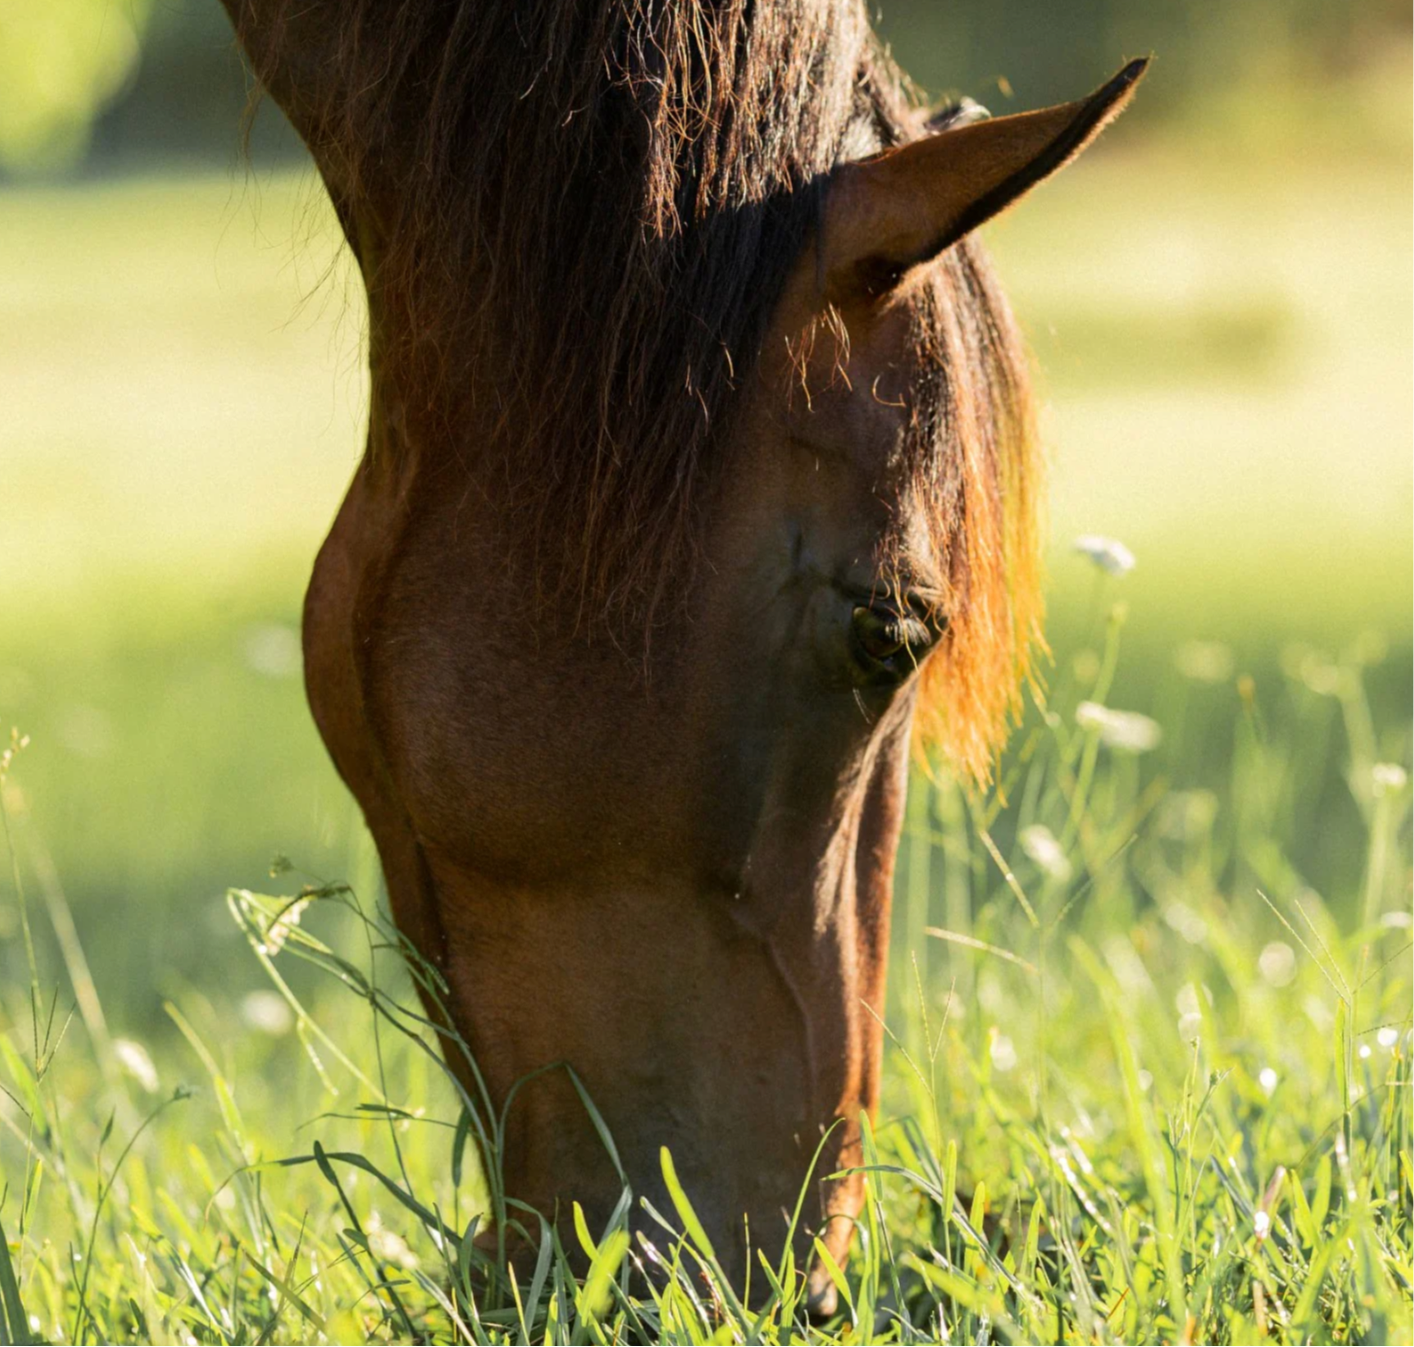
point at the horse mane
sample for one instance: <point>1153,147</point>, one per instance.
<point>586,211</point>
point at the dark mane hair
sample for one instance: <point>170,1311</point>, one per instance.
<point>586,210</point>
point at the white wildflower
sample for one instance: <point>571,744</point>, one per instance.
<point>953,1007</point>
<point>390,1246</point>
<point>1318,1012</point>
<point>1263,1222</point>
<point>279,930</point>
<point>1003,1051</point>
<point>1187,922</point>
<point>1388,1037</point>
<point>1109,554</point>
<point>1267,1079</point>
<point>1388,777</point>
<point>1127,731</point>
<point>1277,962</point>
<point>1186,1002</point>
<point>1305,664</point>
<point>1189,1003</point>
<point>267,1011</point>
<point>1040,844</point>
<point>134,1059</point>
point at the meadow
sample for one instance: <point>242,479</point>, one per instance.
<point>1150,1024</point>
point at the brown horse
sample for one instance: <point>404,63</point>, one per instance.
<point>699,469</point>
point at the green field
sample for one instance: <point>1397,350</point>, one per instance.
<point>1194,1047</point>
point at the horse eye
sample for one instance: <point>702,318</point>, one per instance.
<point>888,641</point>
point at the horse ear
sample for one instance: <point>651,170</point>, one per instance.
<point>903,207</point>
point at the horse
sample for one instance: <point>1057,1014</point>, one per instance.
<point>700,489</point>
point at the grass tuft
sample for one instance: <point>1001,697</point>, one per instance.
<point>1156,1091</point>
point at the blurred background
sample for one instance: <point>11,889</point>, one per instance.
<point>1218,297</point>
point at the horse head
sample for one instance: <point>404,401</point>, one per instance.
<point>678,527</point>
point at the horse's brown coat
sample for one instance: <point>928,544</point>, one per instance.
<point>625,682</point>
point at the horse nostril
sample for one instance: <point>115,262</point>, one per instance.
<point>883,634</point>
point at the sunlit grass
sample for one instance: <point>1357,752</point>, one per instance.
<point>1214,990</point>
<point>1144,1084</point>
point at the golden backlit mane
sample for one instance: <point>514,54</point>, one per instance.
<point>979,476</point>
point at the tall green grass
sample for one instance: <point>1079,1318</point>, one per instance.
<point>1148,1099</point>
<point>1144,1083</point>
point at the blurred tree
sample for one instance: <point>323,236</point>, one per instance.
<point>61,61</point>
<point>121,83</point>
<point>1038,51</point>
<point>190,99</point>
